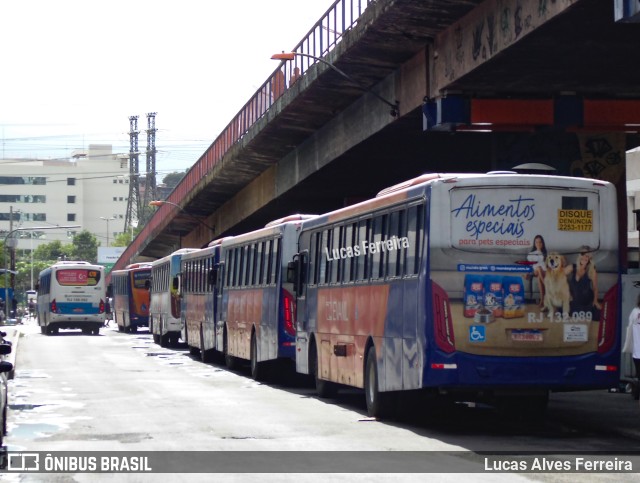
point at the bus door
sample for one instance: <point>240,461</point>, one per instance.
<point>297,274</point>
<point>218,305</point>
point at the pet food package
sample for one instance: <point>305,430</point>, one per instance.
<point>493,294</point>
<point>473,294</point>
<point>513,289</point>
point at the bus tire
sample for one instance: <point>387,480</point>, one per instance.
<point>173,339</point>
<point>258,369</point>
<point>205,354</point>
<point>43,330</point>
<point>133,329</point>
<point>379,404</point>
<point>229,360</point>
<point>324,389</point>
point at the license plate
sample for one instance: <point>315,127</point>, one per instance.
<point>526,335</point>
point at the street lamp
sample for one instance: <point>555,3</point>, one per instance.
<point>4,246</point>
<point>395,106</point>
<point>164,202</point>
<point>107,219</point>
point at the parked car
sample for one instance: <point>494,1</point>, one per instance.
<point>5,368</point>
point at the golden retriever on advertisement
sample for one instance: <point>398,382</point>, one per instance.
<point>556,285</point>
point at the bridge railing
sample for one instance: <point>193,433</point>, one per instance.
<point>320,40</point>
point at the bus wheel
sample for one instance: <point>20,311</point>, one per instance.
<point>96,331</point>
<point>173,339</point>
<point>164,340</point>
<point>205,354</point>
<point>229,360</point>
<point>258,370</point>
<point>379,404</point>
<point>43,329</point>
<point>133,329</point>
<point>324,389</point>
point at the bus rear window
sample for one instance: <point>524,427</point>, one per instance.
<point>78,276</point>
<point>140,279</point>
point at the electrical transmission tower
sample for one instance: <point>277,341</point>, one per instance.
<point>133,205</point>
<point>150,187</point>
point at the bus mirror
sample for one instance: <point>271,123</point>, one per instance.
<point>296,273</point>
<point>175,283</point>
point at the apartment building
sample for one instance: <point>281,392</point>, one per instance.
<point>90,190</point>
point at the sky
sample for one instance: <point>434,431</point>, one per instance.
<point>74,71</point>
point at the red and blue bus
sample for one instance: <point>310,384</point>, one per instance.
<point>129,289</point>
<point>256,303</point>
<point>199,297</point>
<point>436,285</point>
<point>165,321</point>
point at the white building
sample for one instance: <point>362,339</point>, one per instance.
<point>87,190</point>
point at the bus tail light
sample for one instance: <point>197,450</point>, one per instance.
<point>442,323</point>
<point>101,309</point>
<point>54,306</point>
<point>289,307</point>
<point>608,317</point>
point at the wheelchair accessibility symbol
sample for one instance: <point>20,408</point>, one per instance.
<point>476,333</point>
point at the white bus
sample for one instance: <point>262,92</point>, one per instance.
<point>71,295</point>
<point>165,322</point>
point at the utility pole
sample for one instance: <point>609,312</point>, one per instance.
<point>12,259</point>
<point>133,204</point>
<point>150,188</point>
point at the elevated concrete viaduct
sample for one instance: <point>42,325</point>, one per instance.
<point>480,85</point>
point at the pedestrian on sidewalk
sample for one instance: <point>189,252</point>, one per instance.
<point>632,344</point>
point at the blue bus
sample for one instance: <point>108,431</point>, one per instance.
<point>496,288</point>
<point>71,295</point>
<point>256,306</point>
<point>165,322</point>
<point>129,289</point>
<point>198,296</point>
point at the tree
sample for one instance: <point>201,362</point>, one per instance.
<point>172,179</point>
<point>53,251</point>
<point>85,247</point>
<point>124,239</point>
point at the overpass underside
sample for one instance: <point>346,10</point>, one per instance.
<point>481,85</point>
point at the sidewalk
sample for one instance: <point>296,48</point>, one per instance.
<point>13,335</point>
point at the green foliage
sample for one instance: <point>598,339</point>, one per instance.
<point>125,239</point>
<point>85,247</point>
<point>172,179</point>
